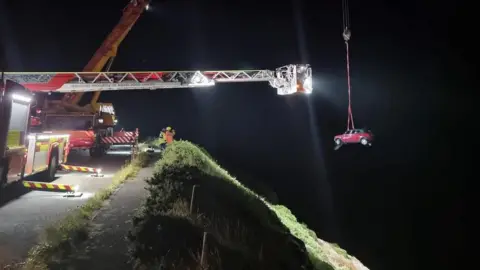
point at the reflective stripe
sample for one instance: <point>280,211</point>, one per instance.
<point>40,185</point>
<point>13,138</point>
<point>79,169</point>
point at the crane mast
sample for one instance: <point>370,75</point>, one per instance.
<point>289,79</point>
<point>104,56</point>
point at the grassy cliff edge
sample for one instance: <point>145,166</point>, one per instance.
<point>245,229</point>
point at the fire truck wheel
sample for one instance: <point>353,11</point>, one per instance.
<point>97,152</point>
<point>3,172</point>
<point>52,166</point>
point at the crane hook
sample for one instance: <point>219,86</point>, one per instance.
<point>346,34</point>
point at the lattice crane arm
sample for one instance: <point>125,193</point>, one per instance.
<point>105,54</point>
<point>287,80</point>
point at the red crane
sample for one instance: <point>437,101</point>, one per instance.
<point>95,118</point>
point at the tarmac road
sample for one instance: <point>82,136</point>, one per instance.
<point>25,213</point>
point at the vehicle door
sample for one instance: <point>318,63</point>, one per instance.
<point>356,135</point>
<point>347,137</point>
<point>16,136</point>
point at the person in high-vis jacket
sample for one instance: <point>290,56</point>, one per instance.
<point>169,134</point>
<point>166,137</point>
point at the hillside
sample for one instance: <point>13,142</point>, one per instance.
<point>243,230</point>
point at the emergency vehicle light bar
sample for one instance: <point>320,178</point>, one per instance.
<point>44,136</point>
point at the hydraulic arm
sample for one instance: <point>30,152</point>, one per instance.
<point>104,56</point>
<point>287,80</point>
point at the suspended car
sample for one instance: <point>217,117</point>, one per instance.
<point>352,134</point>
<point>359,135</point>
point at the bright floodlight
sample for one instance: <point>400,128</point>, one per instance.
<point>308,85</point>
<point>21,98</point>
<point>199,79</point>
<point>147,7</point>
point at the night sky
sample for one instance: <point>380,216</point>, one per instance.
<point>394,206</point>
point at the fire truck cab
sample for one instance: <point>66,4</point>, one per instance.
<point>22,153</point>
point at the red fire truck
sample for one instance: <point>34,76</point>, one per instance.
<point>22,153</point>
<point>90,126</point>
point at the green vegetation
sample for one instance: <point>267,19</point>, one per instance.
<point>61,238</point>
<point>152,141</point>
<point>244,230</point>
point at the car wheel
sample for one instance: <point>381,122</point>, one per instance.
<point>96,152</point>
<point>338,141</point>
<point>363,141</point>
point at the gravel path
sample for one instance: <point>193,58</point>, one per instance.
<point>107,246</point>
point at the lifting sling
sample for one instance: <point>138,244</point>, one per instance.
<point>346,37</point>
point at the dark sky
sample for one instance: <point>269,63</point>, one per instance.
<point>392,205</point>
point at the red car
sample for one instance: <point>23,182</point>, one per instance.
<point>363,136</point>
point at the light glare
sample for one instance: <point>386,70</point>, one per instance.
<point>21,98</point>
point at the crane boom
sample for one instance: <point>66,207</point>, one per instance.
<point>287,80</point>
<point>108,49</point>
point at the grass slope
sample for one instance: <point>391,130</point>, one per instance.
<point>245,231</point>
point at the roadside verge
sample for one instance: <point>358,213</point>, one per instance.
<point>62,237</point>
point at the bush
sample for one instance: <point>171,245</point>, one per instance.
<point>142,160</point>
<point>244,230</point>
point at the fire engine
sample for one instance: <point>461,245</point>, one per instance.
<point>90,126</point>
<point>23,153</point>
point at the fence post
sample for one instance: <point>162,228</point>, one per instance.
<point>192,198</point>
<point>204,249</point>
<point>135,145</point>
